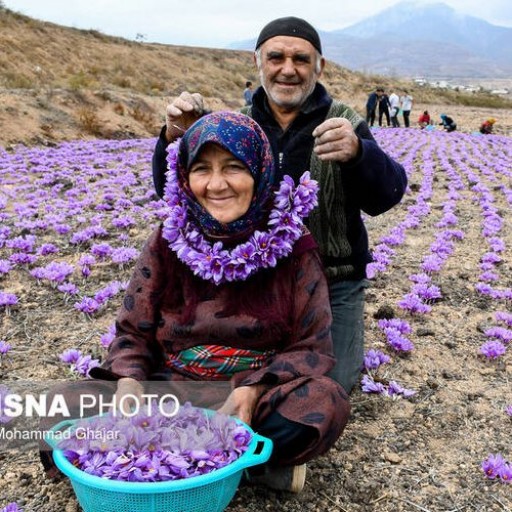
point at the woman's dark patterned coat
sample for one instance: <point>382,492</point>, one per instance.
<point>150,324</point>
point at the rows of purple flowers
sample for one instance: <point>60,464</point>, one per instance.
<point>62,201</point>
<point>463,172</point>
<point>66,214</point>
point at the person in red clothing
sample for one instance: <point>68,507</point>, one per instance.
<point>424,120</point>
<point>487,126</point>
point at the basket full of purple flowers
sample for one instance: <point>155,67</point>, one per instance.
<point>152,462</point>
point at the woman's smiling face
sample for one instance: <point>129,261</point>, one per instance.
<point>221,183</point>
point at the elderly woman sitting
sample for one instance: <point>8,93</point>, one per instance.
<point>231,288</point>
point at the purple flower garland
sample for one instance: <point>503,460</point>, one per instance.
<point>212,262</point>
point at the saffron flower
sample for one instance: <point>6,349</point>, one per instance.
<point>68,289</point>
<point>508,410</point>
<point>54,272</point>
<point>396,390</point>
<point>368,385</point>
<point>414,304</point>
<point>373,359</point>
<point>5,267</point>
<point>70,356</point>
<point>102,250</point>
<point>107,338</point>
<point>88,306</point>
<point>492,465</point>
<point>7,300</point>
<point>503,316</point>
<point>12,507</point>
<point>156,447</point>
<point>493,349</point>
<point>124,255</point>
<point>84,364</point>
<point>499,334</point>
<point>47,249</point>
<point>4,348</point>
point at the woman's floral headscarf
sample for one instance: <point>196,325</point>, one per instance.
<point>246,141</point>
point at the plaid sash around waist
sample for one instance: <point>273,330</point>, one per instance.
<point>216,362</point>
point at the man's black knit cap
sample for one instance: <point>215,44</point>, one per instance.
<point>290,26</point>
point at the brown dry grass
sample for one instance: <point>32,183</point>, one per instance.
<point>59,83</point>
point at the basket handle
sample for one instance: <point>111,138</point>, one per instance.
<point>49,435</point>
<point>260,453</point>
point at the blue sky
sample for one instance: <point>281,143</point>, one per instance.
<point>219,22</point>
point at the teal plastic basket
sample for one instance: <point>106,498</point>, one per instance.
<point>211,492</point>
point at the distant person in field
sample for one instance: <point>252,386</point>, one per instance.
<point>307,129</point>
<point>384,108</point>
<point>394,108</point>
<point>371,106</point>
<point>406,103</point>
<point>487,126</point>
<point>248,93</point>
<point>424,120</point>
<point>448,123</point>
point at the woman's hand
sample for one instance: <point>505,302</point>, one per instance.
<point>128,395</point>
<point>242,402</point>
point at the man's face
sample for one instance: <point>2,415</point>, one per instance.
<point>288,70</point>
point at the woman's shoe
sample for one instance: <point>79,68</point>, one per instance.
<point>280,478</point>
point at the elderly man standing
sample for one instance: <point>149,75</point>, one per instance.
<point>307,129</point>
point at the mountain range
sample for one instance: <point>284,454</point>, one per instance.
<point>412,39</point>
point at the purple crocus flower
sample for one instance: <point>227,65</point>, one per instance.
<point>107,338</point>
<point>70,356</point>
<point>22,243</point>
<point>4,347</point>
<point>395,389</point>
<point>432,263</point>
<point>368,385</point>
<point>22,258</point>
<point>47,249</point>
<point>87,260</point>
<point>8,299</point>
<point>425,292</point>
<point>68,289</point>
<point>508,410</point>
<point>503,316</point>
<point>123,222</point>
<point>373,359</point>
<point>492,465</point>
<point>505,473</point>
<point>88,306</point>
<point>499,333</point>
<point>413,303</point>
<point>493,349</point>
<point>84,364</point>
<point>101,250</point>
<point>12,507</point>
<point>398,342</point>
<point>395,323</point>
<point>124,255</point>
<point>109,291</point>
<point>5,267</point>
